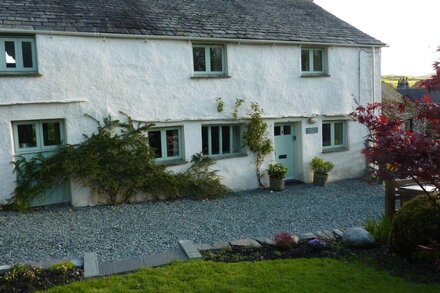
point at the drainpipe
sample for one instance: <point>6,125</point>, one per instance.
<point>359,76</point>
<point>373,75</point>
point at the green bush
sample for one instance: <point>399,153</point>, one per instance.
<point>379,228</point>
<point>320,166</point>
<point>416,223</point>
<point>277,170</point>
<point>117,163</point>
<point>62,267</point>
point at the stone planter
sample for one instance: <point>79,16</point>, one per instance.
<point>277,184</point>
<point>320,179</point>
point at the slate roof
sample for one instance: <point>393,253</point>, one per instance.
<point>279,20</point>
<point>419,93</point>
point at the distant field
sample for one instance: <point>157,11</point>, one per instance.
<point>393,79</point>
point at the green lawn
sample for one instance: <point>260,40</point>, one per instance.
<point>294,275</point>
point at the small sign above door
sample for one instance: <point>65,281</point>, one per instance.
<point>311,130</point>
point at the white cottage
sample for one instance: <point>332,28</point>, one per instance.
<point>166,61</point>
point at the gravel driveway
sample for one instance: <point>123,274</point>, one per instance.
<point>150,228</point>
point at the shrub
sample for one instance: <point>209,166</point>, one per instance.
<point>62,267</point>
<point>379,228</point>
<point>22,272</point>
<point>285,240</point>
<point>117,163</point>
<point>317,244</point>
<point>277,170</point>
<point>416,223</point>
<point>320,166</point>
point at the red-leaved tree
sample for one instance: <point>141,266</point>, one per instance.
<point>397,153</point>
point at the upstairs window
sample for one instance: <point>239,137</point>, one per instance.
<point>313,61</point>
<point>333,134</point>
<point>166,143</point>
<point>209,59</point>
<point>221,140</point>
<point>17,54</point>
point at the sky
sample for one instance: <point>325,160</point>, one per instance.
<point>410,28</point>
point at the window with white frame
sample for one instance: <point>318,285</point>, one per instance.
<point>167,143</point>
<point>209,59</point>
<point>313,60</point>
<point>17,54</point>
<point>37,136</point>
<point>333,134</point>
<point>221,139</point>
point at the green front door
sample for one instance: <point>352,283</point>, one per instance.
<point>32,138</point>
<point>285,148</point>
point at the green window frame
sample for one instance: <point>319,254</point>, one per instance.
<point>167,143</point>
<point>38,135</point>
<point>313,61</point>
<point>222,139</point>
<point>18,54</point>
<point>334,134</point>
<point>209,59</point>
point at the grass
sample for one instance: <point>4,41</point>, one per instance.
<point>379,228</point>
<point>289,275</point>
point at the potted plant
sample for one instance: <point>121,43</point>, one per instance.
<point>321,169</point>
<point>277,172</point>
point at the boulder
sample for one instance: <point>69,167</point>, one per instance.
<point>358,237</point>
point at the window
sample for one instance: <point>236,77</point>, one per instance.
<point>209,59</point>
<point>333,134</point>
<point>313,61</point>
<point>17,54</point>
<point>221,139</point>
<point>30,136</point>
<point>166,143</point>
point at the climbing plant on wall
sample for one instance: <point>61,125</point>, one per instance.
<point>255,133</point>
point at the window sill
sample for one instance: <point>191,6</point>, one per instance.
<point>20,74</point>
<point>307,75</point>
<point>221,76</point>
<point>335,150</point>
<point>171,163</point>
<point>223,157</point>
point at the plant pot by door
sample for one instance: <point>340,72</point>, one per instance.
<point>320,179</point>
<point>277,184</point>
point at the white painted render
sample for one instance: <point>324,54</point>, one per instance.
<point>151,80</point>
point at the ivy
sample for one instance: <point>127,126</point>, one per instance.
<point>116,162</point>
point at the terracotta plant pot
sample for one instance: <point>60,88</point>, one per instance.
<point>320,179</point>
<point>277,184</point>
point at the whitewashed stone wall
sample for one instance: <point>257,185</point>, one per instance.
<point>151,81</point>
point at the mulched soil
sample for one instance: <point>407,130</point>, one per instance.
<point>377,257</point>
<point>36,279</point>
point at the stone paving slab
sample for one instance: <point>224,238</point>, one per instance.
<point>91,268</point>
<point>136,263</point>
<point>189,248</point>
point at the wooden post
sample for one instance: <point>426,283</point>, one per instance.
<point>390,198</point>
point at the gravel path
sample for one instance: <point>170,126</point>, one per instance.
<point>150,228</point>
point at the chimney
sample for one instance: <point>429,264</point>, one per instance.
<point>402,84</point>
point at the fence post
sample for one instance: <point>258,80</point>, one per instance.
<point>390,198</point>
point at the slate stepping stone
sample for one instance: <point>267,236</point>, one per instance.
<point>249,243</point>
